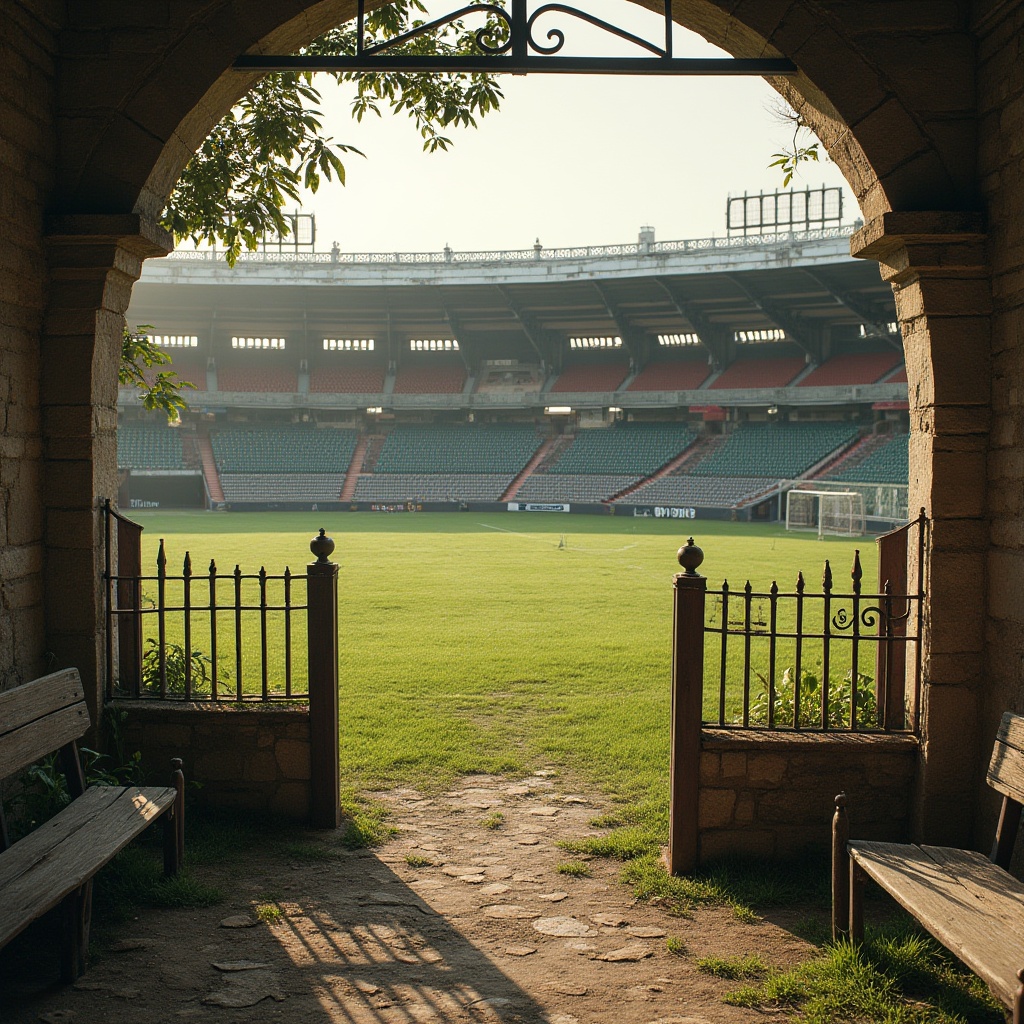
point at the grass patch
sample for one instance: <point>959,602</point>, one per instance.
<point>574,869</point>
<point>676,946</point>
<point>417,860</point>
<point>309,853</point>
<point>607,821</point>
<point>185,890</point>
<point>899,977</point>
<point>494,821</point>
<point>268,913</point>
<point>364,823</point>
<point>735,968</point>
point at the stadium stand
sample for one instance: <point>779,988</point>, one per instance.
<point>887,464</point>
<point>852,368</point>
<point>636,449</point>
<point>294,448</point>
<point>348,380</point>
<point>149,448</point>
<point>590,377</point>
<point>192,371</point>
<point>250,379</point>
<point>677,375</point>
<point>708,492</point>
<point>759,373</point>
<point>271,487</point>
<point>515,379</point>
<point>403,487</point>
<point>569,487</point>
<point>491,449</point>
<point>779,450</point>
<point>899,377</point>
<point>430,380</point>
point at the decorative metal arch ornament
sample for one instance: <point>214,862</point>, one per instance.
<point>521,52</point>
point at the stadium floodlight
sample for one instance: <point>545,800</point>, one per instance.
<point>557,410</point>
<point>832,513</point>
<point>375,410</point>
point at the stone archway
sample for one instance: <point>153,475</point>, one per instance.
<point>902,130</point>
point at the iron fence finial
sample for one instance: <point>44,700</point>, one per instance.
<point>690,557</point>
<point>322,546</point>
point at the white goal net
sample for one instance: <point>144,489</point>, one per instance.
<point>837,513</point>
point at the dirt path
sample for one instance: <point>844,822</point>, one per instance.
<point>484,928</point>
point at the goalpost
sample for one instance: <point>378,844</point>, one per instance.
<point>837,513</point>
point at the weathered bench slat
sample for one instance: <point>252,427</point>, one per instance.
<point>65,852</point>
<point>40,698</point>
<point>36,739</point>
<point>1006,768</point>
<point>971,906</point>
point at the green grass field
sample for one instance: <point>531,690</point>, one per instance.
<point>477,643</point>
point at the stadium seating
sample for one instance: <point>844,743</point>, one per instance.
<point>852,368</point>
<point>275,379</point>
<point>287,449</point>
<point>590,377</point>
<point>888,464</point>
<point>779,450</point>
<point>677,375</point>
<point>585,487</point>
<point>430,380</point>
<point>191,370</point>
<point>260,487</point>
<point>899,377</point>
<point>759,373</point>
<point>708,492</point>
<point>637,449</point>
<point>156,447</point>
<point>497,449</point>
<point>347,380</point>
<point>432,486</point>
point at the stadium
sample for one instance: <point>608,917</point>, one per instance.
<point>699,378</point>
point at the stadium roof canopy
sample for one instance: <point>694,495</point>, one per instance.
<point>528,304</point>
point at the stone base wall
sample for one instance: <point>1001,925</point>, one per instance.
<point>772,795</point>
<point>257,760</point>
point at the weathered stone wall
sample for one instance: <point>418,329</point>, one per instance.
<point>256,760</point>
<point>772,794</point>
<point>1000,29</point>
<point>28,46</point>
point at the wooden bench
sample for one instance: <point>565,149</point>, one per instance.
<point>55,864</point>
<point>967,901</point>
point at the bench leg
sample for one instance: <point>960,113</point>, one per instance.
<point>76,915</point>
<point>857,879</point>
<point>840,870</point>
<point>174,823</point>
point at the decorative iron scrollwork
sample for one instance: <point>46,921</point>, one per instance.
<point>520,53</point>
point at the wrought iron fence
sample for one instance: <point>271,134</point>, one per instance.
<point>213,635</point>
<point>812,658</point>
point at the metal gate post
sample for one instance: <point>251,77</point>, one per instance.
<point>690,591</point>
<point>322,636</point>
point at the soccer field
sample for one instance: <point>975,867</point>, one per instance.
<point>497,642</point>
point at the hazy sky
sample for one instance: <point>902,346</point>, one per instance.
<point>572,160</point>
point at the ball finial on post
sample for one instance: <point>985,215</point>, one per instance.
<point>690,557</point>
<point>322,546</point>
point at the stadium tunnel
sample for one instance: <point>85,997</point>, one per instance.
<point>920,105</point>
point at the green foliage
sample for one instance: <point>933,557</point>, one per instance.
<point>676,946</point>
<point>788,161</point>
<point>271,145</point>
<point>494,821</point>
<point>898,977</point>
<point>574,869</point>
<point>268,913</point>
<point>174,668</point>
<point>735,968</point>
<point>364,823</point>
<point>840,700</point>
<point>416,860</point>
<point>163,390</point>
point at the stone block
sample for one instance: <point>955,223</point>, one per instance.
<point>766,769</point>
<point>715,807</point>
<point>710,768</point>
<point>745,809</point>
<point>737,842</point>
<point>734,765</point>
<point>292,758</point>
<point>261,767</point>
<point>214,767</point>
